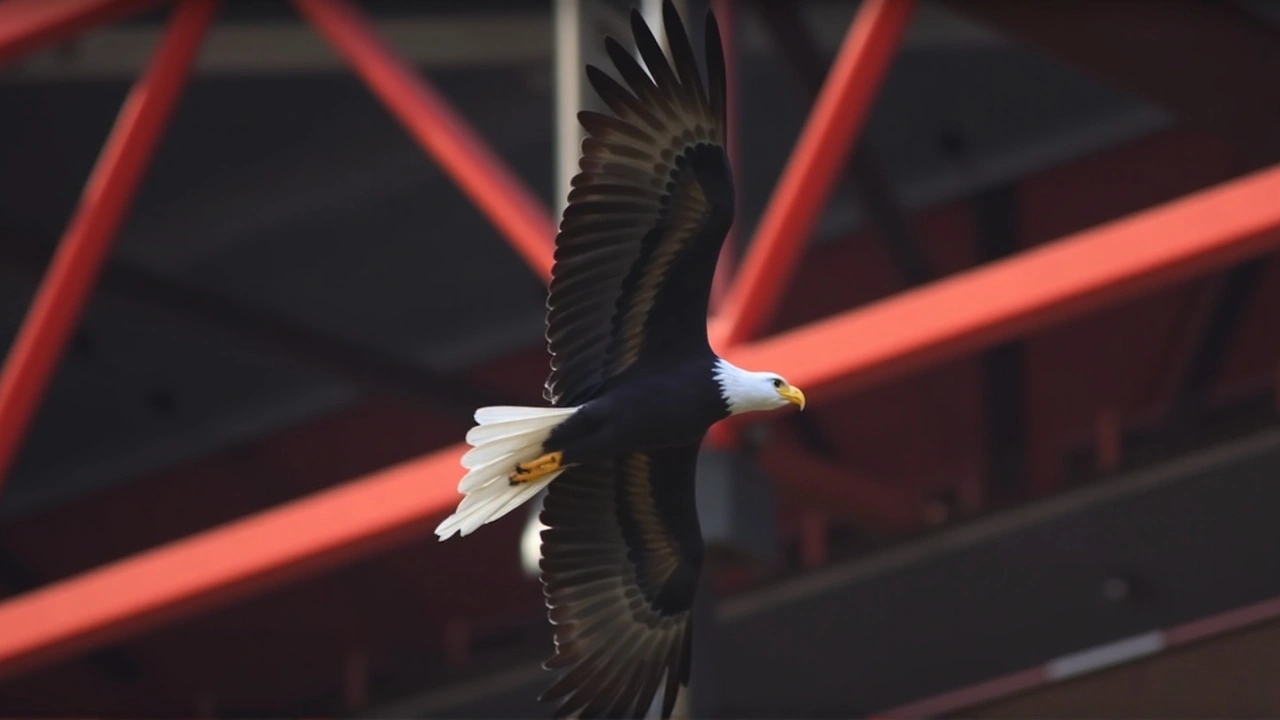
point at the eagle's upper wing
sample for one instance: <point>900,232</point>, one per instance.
<point>646,216</point>
<point>620,562</point>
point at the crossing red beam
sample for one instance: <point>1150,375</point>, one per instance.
<point>1196,234</point>
<point>440,130</point>
<point>1204,231</point>
<point>824,146</point>
<point>105,200</point>
<point>29,25</point>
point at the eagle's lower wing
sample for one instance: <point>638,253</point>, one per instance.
<point>620,563</point>
<point>648,211</point>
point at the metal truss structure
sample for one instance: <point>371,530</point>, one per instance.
<point>936,321</point>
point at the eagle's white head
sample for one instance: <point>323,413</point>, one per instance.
<point>747,391</point>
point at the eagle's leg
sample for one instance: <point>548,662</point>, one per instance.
<point>536,468</point>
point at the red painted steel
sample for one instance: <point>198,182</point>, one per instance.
<point>1206,230</point>
<point>237,559</point>
<point>106,198</point>
<point>1200,232</point>
<point>29,25</point>
<point>824,145</point>
<point>438,128</point>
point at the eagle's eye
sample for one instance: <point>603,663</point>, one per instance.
<point>777,383</point>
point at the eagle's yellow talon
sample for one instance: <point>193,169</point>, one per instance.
<point>536,468</point>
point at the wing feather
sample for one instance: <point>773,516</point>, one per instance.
<point>621,557</point>
<point>653,199</point>
<point>656,61</point>
<point>686,67</point>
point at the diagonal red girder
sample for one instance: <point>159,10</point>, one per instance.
<point>824,145</point>
<point>440,130</point>
<point>105,200</point>
<point>1201,232</point>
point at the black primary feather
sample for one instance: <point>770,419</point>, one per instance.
<point>647,214</point>
<point>621,558</point>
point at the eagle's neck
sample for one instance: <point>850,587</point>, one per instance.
<point>742,390</point>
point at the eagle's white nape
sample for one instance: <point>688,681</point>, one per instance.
<point>747,391</point>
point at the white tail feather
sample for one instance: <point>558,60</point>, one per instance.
<point>503,437</point>
<point>504,413</point>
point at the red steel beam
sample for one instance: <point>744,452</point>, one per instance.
<point>439,129</point>
<point>227,562</point>
<point>824,146</point>
<point>29,25</point>
<point>1196,234</point>
<point>1204,231</point>
<point>103,204</point>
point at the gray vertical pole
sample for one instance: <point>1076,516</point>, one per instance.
<point>569,65</point>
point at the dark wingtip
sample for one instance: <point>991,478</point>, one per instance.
<point>640,29</point>
<point>671,16</point>
<point>674,24</point>
<point>717,80</point>
<point>637,21</point>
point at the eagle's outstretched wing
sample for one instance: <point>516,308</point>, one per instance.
<point>646,217</point>
<point>620,562</point>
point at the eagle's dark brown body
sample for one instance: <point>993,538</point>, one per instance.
<point>652,410</point>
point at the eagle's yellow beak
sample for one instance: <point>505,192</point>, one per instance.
<point>792,395</point>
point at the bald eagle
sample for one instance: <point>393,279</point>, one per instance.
<point>634,384</point>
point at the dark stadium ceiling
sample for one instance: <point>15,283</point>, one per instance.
<point>284,188</point>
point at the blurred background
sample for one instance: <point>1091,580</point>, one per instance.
<point>1073,515</point>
